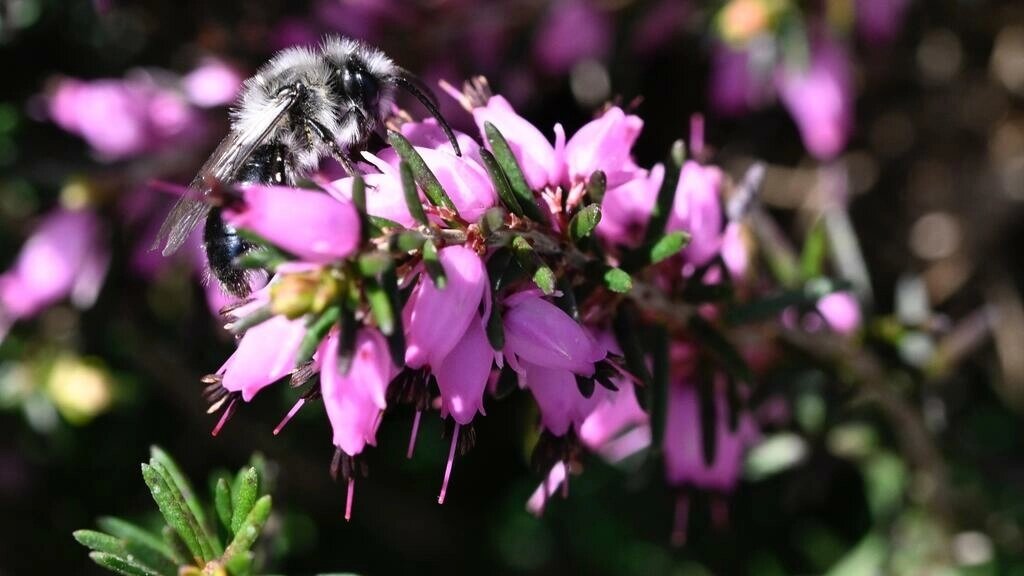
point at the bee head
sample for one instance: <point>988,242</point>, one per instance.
<point>359,85</point>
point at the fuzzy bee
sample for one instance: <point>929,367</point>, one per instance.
<point>302,106</point>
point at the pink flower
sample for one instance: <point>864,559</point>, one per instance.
<point>820,98</point>
<point>121,118</point>
<point>618,413</point>
<point>462,375</point>
<point>213,83</point>
<point>573,30</point>
<point>735,252</point>
<point>265,353</point>
<point>841,312</point>
<point>355,400</point>
<point>384,195</point>
<point>559,398</point>
<point>697,210</point>
<point>436,320</point>
<point>604,144</point>
<point>879,21</point>
<point>541,163</point>
<point>312,225</point>
<point>66,255</point>
<point>626,209</point>
<point>735,86</point>
<point>684,448</point>
<point>539,333</point>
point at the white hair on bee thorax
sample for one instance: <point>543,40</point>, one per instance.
<point>339,49</point>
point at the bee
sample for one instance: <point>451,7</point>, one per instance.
<point>302,106</point>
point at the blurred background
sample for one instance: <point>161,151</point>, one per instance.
<point>900,123</point>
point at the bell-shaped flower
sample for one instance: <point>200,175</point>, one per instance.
<point>697,210</point>
<point>212,83</point>
<point>539,333</point>
<point>66,255</point>
<point>463,374</point>
<point>384,195</point>
<point>685,463</point>
<point>604,144</point>
<point>313,225</point>
<point>428,134</point>
<point>572,31</point>
<point>626,209</point>
<point>355,400</point>
<point>265,353</point>
<point>541,163</point>
<point>840,311</point>
<point>436,319</point>
<point>559,399</point>
<point>619,412</point>
<point>820,98</point>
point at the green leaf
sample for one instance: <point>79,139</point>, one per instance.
<point>240,564</point>
<point>254,318</point>
<point>618,280</point>
<point>316,333</point>
<point>348,330</point>
<point>501,183</point>
<point>245,490</point>
<point>179,480</point>
<point>407,241</point>
<point>121,565</point>
<point>657,392</point>
<point>412,197</point>
<point>566,301</point>
<point>99,541</point>
<point>596,187</point>
<point>139,537</point>
<point>495,329</point>
<point>510,166</point>
<point>421,172</point>
<point>222,502</point>
<point>372,264</point>
<point>249,529</point>
<point>433,265</point>
<point>584,222</point>
<point>544,278</point>
<point>708,417</point>
<point>367,229</point>
<point>492,221</point>
<point>508,382</point>
<point>669,245</point>
<point>175,511</point>
<point>812,258</point>
<point>666,194</point>
<point>627,333</point>
<point>396,339</point>
<point>719,345</point>
<point>380,306</point>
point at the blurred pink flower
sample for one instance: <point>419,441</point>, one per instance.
<point>436,319</point>
<point>735,252</point>
<point>820,98</point>
<point>311,225</point>
<point>356,400</point>
<point>734,88</point>
<point>67,255</point>
<point>213,83</point>
<point>618,413</point>
<point>879,21</point>
<point>122,118</point>
<point>572,31</point>
<point>559,399</point>
<point>841,312</point>
<point>684,449</point>
<point>697,210</point>
<point>659,26</point>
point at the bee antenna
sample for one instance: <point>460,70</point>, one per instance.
<point>425,95</point>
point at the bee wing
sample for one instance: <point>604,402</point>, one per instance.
<point>231,153</point>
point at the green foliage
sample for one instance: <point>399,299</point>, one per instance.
<point>191,542</point>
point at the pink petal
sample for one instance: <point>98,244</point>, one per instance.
<point>604,144</point>
<point>265,354</point>
<point>697,210</point>
<point>462,376</point>
<point>558,397</point>
<point>540,333</point>
<point>312,225</point>
<point>820,98</point>
<point>627,208</point>
<point>354,401</point>
<point>532,149</point>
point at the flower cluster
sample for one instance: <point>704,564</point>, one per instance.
<point>557,266</point>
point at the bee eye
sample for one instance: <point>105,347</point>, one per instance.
<point>361,86</point>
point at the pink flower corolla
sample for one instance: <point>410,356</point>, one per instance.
<point>602,144</point>
<point>312,225</point>
<point>463,374</point>
<point>617,427</point>
<point>548,349</point>
<point>122,118</point>
<point>734,86</point>
<point>735,252</point>
<point>572,31</point>
<point>66,256</point>
<point>697,210</point>
<point>626,209</point>
<point>356,399</point>
<point>820,98</point>
<point>212,83</point>
<point>265,353</point>
<point>685,463</point>
<point>436,319</point>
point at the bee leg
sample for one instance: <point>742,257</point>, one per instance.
<point>343,158</point>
